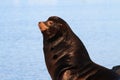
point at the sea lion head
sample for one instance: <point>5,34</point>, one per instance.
<point>53,26</point>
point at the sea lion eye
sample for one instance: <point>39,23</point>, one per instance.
<point>49,23</point>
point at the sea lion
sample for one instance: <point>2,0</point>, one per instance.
<point>116,69</point>
<point>65,55</point>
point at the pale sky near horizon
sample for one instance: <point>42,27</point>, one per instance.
<point>58,2</point>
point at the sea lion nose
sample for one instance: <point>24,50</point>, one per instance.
<point>39,23</point>
<point>42,26</point>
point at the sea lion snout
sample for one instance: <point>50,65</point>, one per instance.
<point>45,25</point>
<point>42,26</point>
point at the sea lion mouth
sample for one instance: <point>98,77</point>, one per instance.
<point>43,26</point>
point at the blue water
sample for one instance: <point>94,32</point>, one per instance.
<point>21,56</point>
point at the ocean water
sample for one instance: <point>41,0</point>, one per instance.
<point>97,24</point>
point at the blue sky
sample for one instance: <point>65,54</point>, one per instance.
<point>65,1</point>
<point>60,2</point>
